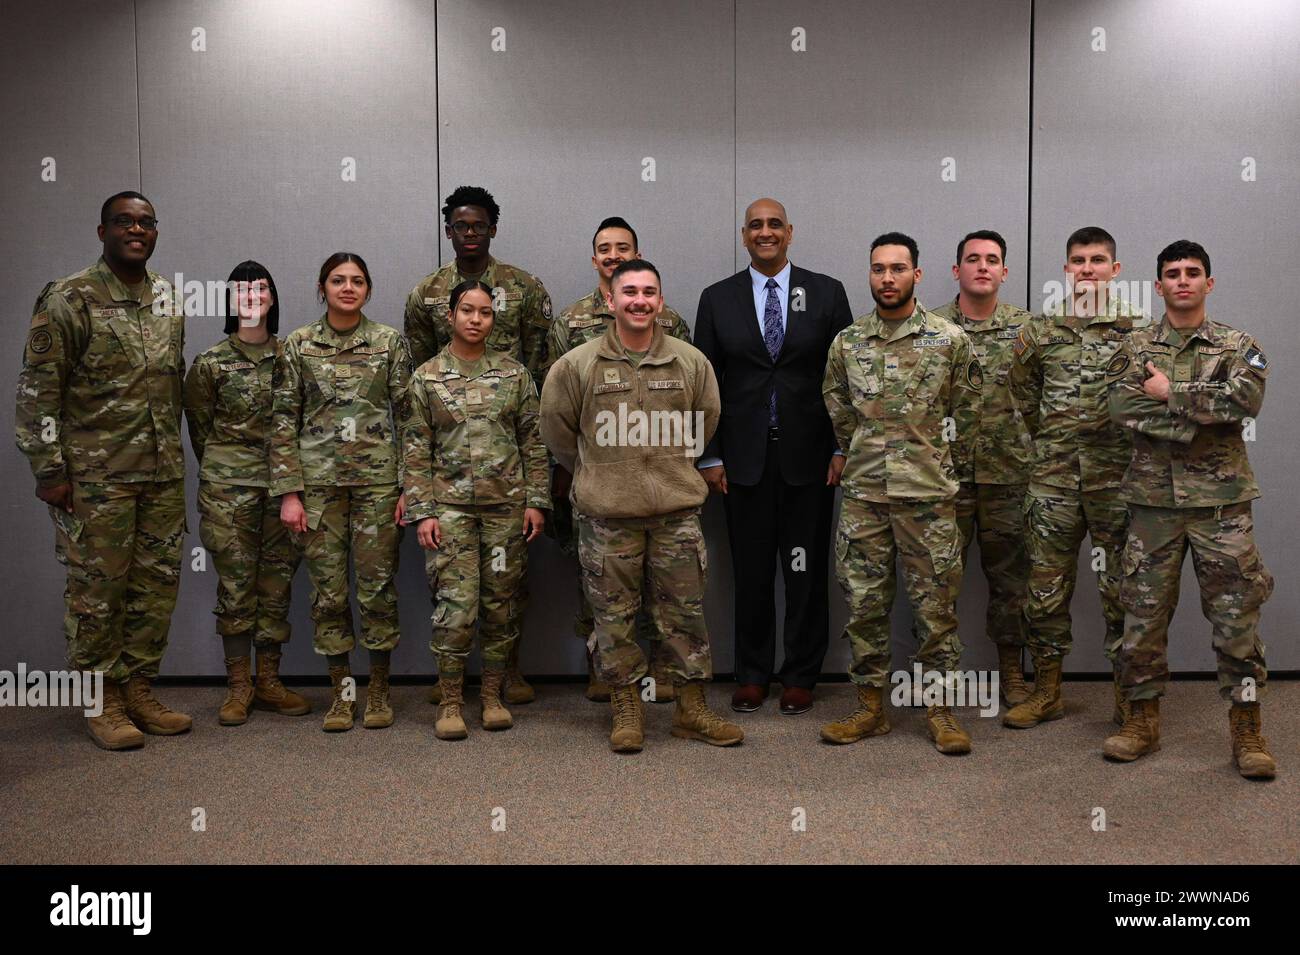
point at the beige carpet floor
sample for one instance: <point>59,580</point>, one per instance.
<point>278,790</point>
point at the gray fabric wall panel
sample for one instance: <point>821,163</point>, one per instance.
<point>240,147</point>
<point>852,135</point>
<point>68,94</point>
<point>1146,140</point>
<point>244,146</point>
<point>556,126</point>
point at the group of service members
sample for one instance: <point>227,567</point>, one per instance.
<point>978,417</point>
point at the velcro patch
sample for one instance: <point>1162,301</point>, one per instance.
<point>40,341</point>
<point>585,322</point>
<point>613,386</point>
<point>1022,342</point>
<point>236,366</point>
<point>1013,332</point>
<point>1118,365</point>
<point>929,342</point>
<point>97,311</point>
<point>1255,359</point>
<point>975,374</point>
<point>612,375</point>
<point>665,383</point>
<point>370,350</point>
<point>317,352</point>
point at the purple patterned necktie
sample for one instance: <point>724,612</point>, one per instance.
<point>773,336</point>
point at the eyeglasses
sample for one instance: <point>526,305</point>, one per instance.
<point>148,223</point>
<point>465,228</point>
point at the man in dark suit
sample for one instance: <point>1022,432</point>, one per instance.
<point>767,330</point>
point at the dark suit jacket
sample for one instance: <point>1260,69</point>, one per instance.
<point>727,331</point>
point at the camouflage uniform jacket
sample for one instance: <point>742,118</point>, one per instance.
<point>1191,451</point>
<point>99,396</point>
<point>889,394</point>
<point>522,315</point>
<point>1058,380</point>
<point>228,410</point>
<point>473,437</point>
<point>341,406</point>
<point>589,316</point>
<point>1003,447</point>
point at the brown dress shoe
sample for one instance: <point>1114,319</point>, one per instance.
<point>748,697</point>
<point>796,700</point>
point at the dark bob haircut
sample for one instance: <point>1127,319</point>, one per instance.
<point>251,271</point>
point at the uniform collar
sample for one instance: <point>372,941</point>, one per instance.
<point>486,278</point>
<point>492,360</point>
<point>1206,331</point>
<point>325,335</point>
<point>120,292</point>
<point>268,349</point>
<point>914,323</point>
<point>612,348</point>
<point>997,320</point>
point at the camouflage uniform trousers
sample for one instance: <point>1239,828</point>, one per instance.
<point>657,562</point>
<point>1234,584</point>
<point>478,576</point>
<point>1055,523</point>
<point>562,526</point>
<point>356,520</point>
<point>869,538</point>
<point>122,547</point>
<point>255,557</point>
<point>997,511</point>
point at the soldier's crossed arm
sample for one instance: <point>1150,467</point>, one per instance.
<point>535,326</point>
<point>1025,377</point>
<point>965,388</point>
<point>1240,395</point>
<point>417,452</point>
<point>200,399</point>
<point>286,421</point>
<point>532,452</point>
<point>399,393</point>
<point>561,413</point>
<point>417,326</point>
<point>55,341</point>
<point>835,394</point>
<point>1131,407</point>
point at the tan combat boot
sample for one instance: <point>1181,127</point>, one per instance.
<point>379,711</point>
<point>339,717</point>
<point>112,729</point>
<point>1139,735</point>
<point>270,693</point>
<point>1011,676</point>
<point>1044,703</point>
<point>450,724</point>
<point>694,720</point>
<point>869,719</point>
<point>149,714</point>
<point>946,732</point>
<point>495,716</point>
<point>517,689</point>
<point>665,692</point>
<point>239,695</point>
<point>1249,748</point>
<point>628,734</point>
<point>1120,716</point>
<point>435,691</point>
<point>597,689</point>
